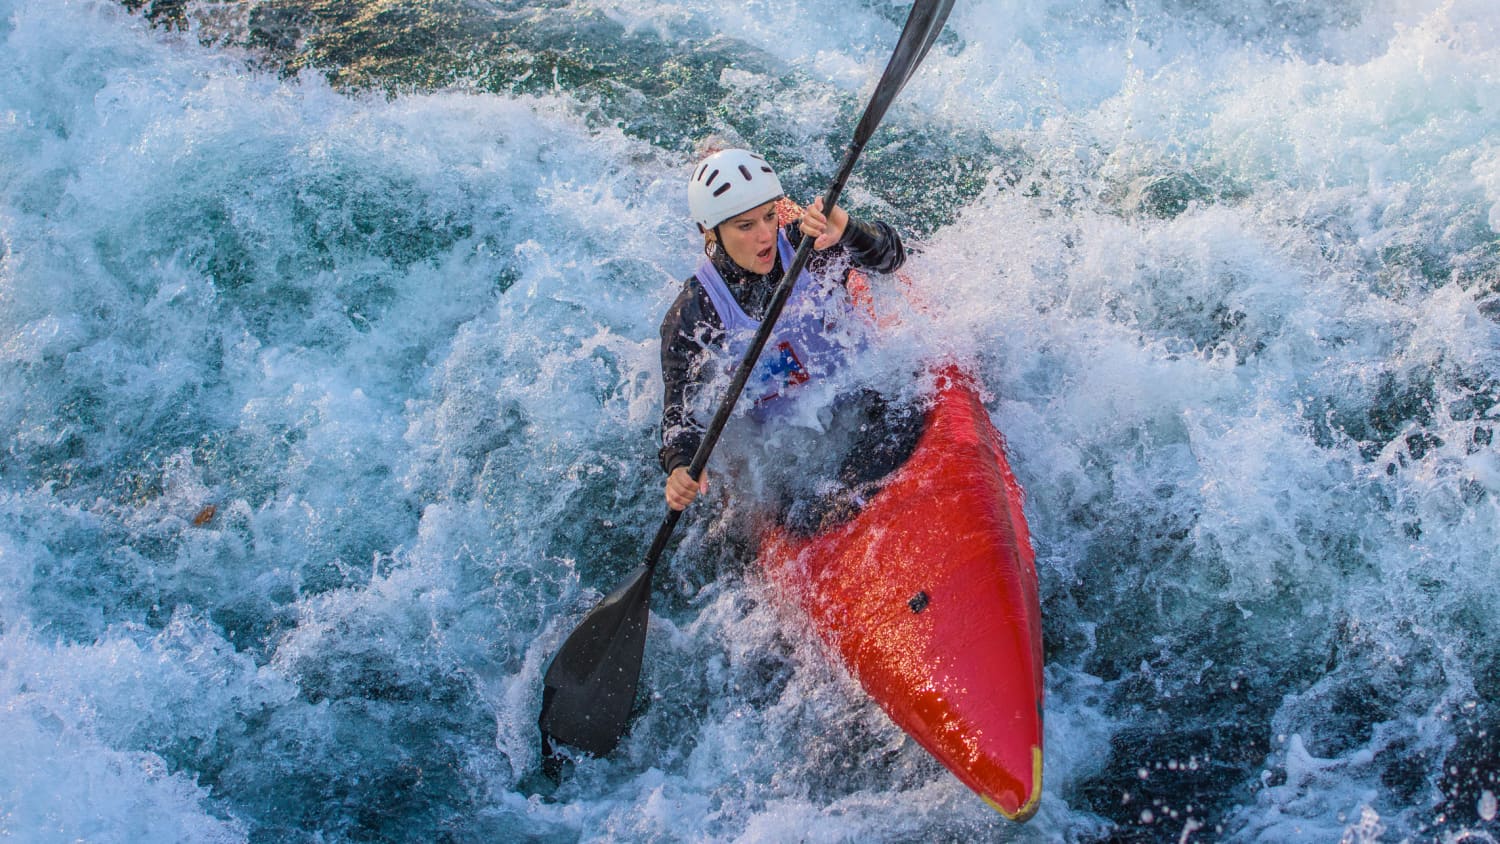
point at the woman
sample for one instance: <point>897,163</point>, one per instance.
<point>738,204</point>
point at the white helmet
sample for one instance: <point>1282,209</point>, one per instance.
<point>729,183</point>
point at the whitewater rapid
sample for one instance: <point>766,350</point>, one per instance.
<point>1230,273</point>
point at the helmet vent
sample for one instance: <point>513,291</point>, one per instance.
<point>720,190</point>
<point>745,171</point>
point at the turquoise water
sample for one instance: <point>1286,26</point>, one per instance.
<point>381,285</point>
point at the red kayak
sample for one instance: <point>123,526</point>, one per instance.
<point>929,597</point>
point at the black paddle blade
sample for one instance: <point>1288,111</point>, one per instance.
<point>590,687</point>
<point>923,26</point>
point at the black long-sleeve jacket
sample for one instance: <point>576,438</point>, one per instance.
<point>692,327</point>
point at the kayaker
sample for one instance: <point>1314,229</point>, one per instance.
<point>738,203</point>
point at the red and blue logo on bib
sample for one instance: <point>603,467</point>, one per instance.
<point>780,369</point>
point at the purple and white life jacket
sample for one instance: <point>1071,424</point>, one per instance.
<point>802,348</point>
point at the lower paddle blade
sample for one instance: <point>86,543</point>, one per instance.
<point>590,686</point>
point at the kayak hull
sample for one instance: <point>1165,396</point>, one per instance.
<point>929,598</point>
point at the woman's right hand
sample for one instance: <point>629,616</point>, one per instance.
<point>682,489</point>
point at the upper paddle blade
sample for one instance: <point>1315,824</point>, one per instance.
<point>590,686</point>
<point>923,26</point>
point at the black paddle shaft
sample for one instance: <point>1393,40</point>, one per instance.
<point>590,686</point>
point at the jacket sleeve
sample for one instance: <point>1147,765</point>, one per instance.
<point>684,335</point>
<point>873,246</point>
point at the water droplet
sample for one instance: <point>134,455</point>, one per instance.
<point>1488,805</point>
<point>1147,816</point>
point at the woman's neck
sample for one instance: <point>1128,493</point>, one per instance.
<point>752,290</point>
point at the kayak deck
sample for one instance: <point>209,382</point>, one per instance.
<point>929,596</point>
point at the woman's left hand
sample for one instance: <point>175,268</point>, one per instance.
<point>825,229</point>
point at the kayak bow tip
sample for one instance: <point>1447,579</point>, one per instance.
<point>1027,808</point>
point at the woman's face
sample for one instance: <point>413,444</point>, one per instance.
<point>750,238</point>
